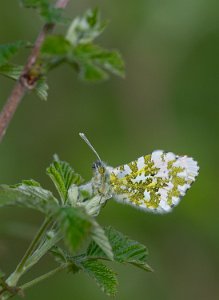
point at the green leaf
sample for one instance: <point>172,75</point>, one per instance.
<point>41,88</point>
<point>104,277</point>
<point>94,62</point>
<point>30,182</point>
<point>7,51</point>
<point>14,72</point>
<point>101,239</point>
<point>75,224</point>
<point>11,71</point>
<point>124,249</point>
<point>86,28</point>
<point>63,176</point>
<point>52,238</point>
<point>28,195</point>
<point>92,73</point>
<point>59,254</point>
<point>55,45</point>
<point>48,11</point>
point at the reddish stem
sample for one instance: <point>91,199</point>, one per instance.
<point>21,86</point>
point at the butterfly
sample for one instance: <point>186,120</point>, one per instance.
<point>155,182</point>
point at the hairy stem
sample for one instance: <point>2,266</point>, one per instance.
<point>22,85</point>
<point>43,277</point>
<point>15,276</point>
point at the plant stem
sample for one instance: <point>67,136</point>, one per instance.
<point>23,84</point>
<point>43,277</point>
<point>14,277</point>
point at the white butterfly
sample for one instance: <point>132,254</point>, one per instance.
<point>155,182</point>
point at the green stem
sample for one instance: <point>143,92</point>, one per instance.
<point>15,276</point>
<point>43,277</point>
<point>42,250</point>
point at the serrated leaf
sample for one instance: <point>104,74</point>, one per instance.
<point>30,196</point>
<point>59,254</point>
<point>101,239</point>
<point>124,249</point>
<point>55,45</point>
<point>30,182</point>
<point>62,257</point>
<point>104,276</point>
<point>92,73</point>
<point>63,176</point>
<point>110,60</point>
<point>47,10</point>
<point>86,28</point>
<point>75,224</point>
<point>52,14</point>
<point>7,51</point>
<point>41,88</point>
<point>11,71</point>
<point>14,72</point>
<point>94,62</point>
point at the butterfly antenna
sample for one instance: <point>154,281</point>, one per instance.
<point>83,136</point>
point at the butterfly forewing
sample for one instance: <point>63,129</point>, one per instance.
<point>155,182</point>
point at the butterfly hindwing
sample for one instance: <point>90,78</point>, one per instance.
<point>155,182</point>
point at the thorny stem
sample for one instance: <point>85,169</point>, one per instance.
<point>25,81</point>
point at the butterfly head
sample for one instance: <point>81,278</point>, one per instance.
<point>99,168</point>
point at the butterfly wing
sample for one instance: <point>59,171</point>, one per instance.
<point>154,182</point>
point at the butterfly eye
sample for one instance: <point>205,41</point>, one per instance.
<point>97,165</point>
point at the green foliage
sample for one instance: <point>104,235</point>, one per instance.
<point>13,72</point>
<point>48,11</point>
<point>124,250</point>
<point>95,62</point>
<point>59,254</point>
<point>75,224</point>
<point>100,238</point>
<point>85,29</point>
<point>72,223</point>
<point>92,62</point>
<point>56,45</point>
<point>104,276</point>
<point>28,194</point>
<point>41,88</point>
<point>7,51</point>
<point>70,218</point>
<point>63,176</point>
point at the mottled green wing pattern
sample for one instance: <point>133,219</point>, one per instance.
<point>154,182</point>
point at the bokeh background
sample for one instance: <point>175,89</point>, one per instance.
<point>168,100</point>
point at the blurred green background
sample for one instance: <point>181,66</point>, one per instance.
<point>168,100</point>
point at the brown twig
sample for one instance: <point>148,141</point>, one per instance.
<point>23,84</point>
